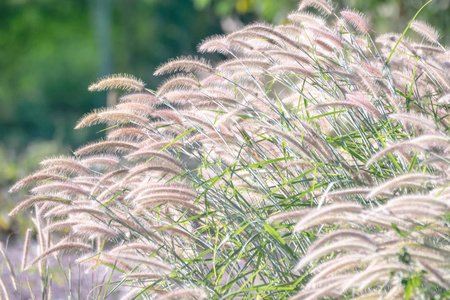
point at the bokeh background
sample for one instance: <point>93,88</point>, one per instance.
<point>51,50</point>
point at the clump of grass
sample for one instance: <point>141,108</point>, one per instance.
<point>312,163</point>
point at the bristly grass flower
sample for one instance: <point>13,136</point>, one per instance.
<point>313,162</point>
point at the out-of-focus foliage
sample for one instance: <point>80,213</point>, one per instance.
<point>47,58</point>
<point>381,12</point>
<point>51,51</point>
<point>266,9</point>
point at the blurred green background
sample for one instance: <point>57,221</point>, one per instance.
<point>51,50</point>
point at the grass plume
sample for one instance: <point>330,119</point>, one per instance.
<point>311,162</point>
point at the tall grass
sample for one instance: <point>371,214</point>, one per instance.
<point>313,162</point>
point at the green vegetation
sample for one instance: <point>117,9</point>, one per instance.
<point>311,162</point>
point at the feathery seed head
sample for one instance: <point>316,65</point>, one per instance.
<point>184,64</point>
<point>426,31</point>
<point>322,5</point>
<point>118,81</point>
<point>357,19</point>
